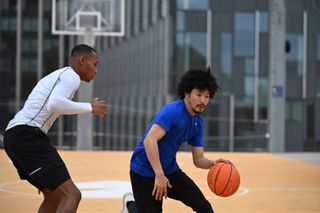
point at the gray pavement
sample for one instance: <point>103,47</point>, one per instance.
<point>313,157</point>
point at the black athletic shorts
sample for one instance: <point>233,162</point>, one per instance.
<point>35,159</point>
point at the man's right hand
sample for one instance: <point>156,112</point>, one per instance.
<point>99,107</point>
<point>161,183</point>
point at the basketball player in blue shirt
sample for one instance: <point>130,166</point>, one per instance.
<point>154,171</point>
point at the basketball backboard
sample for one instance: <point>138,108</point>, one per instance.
<point>76,17</point>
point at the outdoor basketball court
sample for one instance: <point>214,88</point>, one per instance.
<point>269,183</point>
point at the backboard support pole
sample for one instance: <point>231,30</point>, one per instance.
<point>277,76</point>
<point>87,19</point>
<point>85,121</point>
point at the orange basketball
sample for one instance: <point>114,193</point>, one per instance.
<point>223,179</point>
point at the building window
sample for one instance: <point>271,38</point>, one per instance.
<point>318,47</point>
<point>180,20</point>
<point>144,14</point>
<point>294,111</point>
<point>249,77</point>
<point>46,25</point>
<point>47,5</point>
<point>226,53</point>
<point>163,8</point>
<point>4,64</point>
<point>263,92</point>
<point>29,65</point>
<point>4,23</point>
<point>12,24</point>
<point>4,4</point>
<point>154,11</point>
<point>198,43</point>
<point>192,4</point>
<point>318,66</point>
<point>263,22</point>
<point>244,34</point>
<point>34,25</point>
<point>192,48</point>
<point>26,24</point>
<point>294,57</point>
<point>249,66</point>
<point>318,87</point>
<point>249,86</point>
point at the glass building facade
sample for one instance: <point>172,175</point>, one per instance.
<point>28,51</point>
<point>138,72</point>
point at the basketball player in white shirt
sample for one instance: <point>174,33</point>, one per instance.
<point>25,138</point>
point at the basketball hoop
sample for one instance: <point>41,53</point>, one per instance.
<point>75,17</point>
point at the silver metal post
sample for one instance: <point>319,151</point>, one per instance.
<point>304,52</point>
<point>209,36</point>
<point>256,67</point>
<point>85,121</point>
<point>166,50</point>
<point>40,40</point>
<point>277,75</point>
<point>231,124</point>
<point>61,64</point>
<point>18,55</point>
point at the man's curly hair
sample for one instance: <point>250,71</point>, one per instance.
<point>197,79</point>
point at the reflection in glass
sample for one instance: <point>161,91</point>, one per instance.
<point>263,91</point>
<point>249,66</point>
<point>244,34</point>
<point>192,4</point>
<point>294,57</point>
<point>318,73</point>
<point>318,88</point>
<point>263,22</point>
<point>249,86</point>
<point>318,47</point>
<point>198,42</point>
<point>180,20</point>
<point>294,111</point>
<point>192,48</point>
<point>226,53</point>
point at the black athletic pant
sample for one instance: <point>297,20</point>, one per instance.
<point>183,189</point>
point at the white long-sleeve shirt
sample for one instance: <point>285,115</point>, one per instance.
<point>50,98</point>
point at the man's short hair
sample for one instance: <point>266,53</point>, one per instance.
<point>82,49</point>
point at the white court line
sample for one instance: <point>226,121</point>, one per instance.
<point>4,188</point>
<point>284,189</point>
<point>241,191</point>
<point>266,169</point>
<point>103,189</point>
<point>88,187</point>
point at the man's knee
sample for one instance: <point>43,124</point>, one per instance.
<point>69,202</point>
<point>77,195</point>
<point>68,192</point>
<point>73,196</point>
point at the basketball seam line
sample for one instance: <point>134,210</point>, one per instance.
<point>228,182</point>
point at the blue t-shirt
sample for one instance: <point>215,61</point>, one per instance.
<point>180,127</point>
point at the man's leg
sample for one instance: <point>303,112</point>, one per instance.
<point>142,189</point>
<point>49,204</point>
<point>128,205</point>
<point>185,190</point>
<point>65,198</point>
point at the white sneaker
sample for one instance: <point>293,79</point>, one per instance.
<point>127,197</point>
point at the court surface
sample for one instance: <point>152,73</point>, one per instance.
<point>269,183</point>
